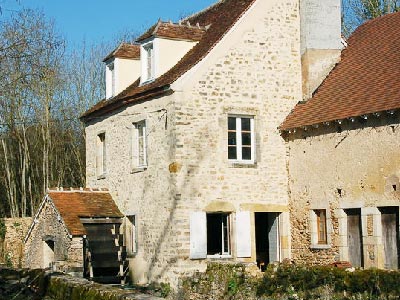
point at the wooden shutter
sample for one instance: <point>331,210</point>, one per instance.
<point>243,238</point>
<point>198,235</point>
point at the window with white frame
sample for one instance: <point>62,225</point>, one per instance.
<point>241,141</point>
<point>148,71</point>
<point>130,235</point>
<point>101,158</point>
<point>139,149</point>
<point>218,234</point>
<point>110,80</point>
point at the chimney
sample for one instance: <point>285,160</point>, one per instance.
<point>321,41</point>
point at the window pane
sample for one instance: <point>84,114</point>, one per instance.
<point>321,223</point>
<point>246,153</point>
<point>231,123</point>
<point>232,153</point>
<point>246,139</point>
<point>214,234</point>
<point>225,233</point>
<point>140,129</point>
<point>232,138</point>
<point>245,124</point>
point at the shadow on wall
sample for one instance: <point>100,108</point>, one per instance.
<point>189,175</point>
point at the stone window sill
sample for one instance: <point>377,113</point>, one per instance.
<point>320,246</point>
<point>138,169</point>
<point>131,255</point>
<point>243,165</point>
<point>219,256</point>
<point>102,176</point>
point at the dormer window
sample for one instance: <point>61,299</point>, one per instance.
<point>110,80</point>
<point>148,62</point>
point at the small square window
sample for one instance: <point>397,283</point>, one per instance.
<point>241,141</point>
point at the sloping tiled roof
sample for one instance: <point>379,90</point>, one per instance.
<point>220,17</point>
<point>73,205</point>
<point>184,31</point>
<point>367,79</point>
<point>124,50</point>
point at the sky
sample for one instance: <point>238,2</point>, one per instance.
<point>100,20</point>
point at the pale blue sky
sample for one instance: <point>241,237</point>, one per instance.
<point>100,20</point>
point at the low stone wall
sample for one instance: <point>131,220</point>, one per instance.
<point>24,284</point>
<point>12,247</point>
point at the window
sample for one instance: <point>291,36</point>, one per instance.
<point>148,71</point>
<point>321,226</point>
<point>139,151</point>
<point>110,80</point>
<point>130,235</point>
<point>241,139</point>
<point>101,154</point>
<point>218,234</point>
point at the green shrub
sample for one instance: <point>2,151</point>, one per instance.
<point>165,289</point>
<point>309,282</point>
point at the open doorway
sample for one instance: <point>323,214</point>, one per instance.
<point>48,253</point>
<point>267,238</point>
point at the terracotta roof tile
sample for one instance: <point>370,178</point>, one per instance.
<point>73,205</point>
<point>221,17</point>
<point>124,50</point>
<point>367,79</point>
<point>182,31</point>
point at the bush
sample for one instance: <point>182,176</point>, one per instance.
<point>310,282</point>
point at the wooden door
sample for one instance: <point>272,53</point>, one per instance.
<point>390,236</point>
<point>354,237</point>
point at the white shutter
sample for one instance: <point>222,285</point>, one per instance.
<point>198,235</point>
<point>273,236</point>
<point>243,238</point>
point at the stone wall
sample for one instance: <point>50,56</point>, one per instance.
<point>23,284</point>
<point>254,71</point>
<point>68,251</point>
<point>12,248</point>
<point>341,166</point>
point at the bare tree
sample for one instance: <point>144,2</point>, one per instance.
<point>29,54</point>
<point>356,12</point>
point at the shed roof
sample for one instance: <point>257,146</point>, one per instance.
<point>76,204</point>
<point>365,81</point>
<point>218,18</point>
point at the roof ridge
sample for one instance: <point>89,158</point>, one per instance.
<point>196,14</point>
<point>197,26</point>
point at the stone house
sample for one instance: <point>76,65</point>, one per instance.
<point>187,139</point>
<point>343,156</point>
<point>77,231</point>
